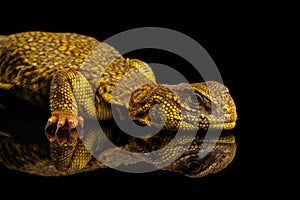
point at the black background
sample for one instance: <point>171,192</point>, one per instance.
<point>225,38</point>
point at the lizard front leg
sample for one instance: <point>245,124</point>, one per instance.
<point>69,91</point>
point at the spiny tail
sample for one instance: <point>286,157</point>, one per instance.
<point>2,40</point>
<point>2,37</point>
<point>5,86</point>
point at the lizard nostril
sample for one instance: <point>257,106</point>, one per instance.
<point>226,109</point>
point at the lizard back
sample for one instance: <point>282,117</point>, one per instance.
<point>29,60</point>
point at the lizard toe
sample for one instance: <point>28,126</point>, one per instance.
<point>50,128</point>
<point>62,126</point>
<point>66,137</point>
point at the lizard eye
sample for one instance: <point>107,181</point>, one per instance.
<point>194,100</point>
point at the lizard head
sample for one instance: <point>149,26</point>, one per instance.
<point>200,160</point>
<point>186,106</point>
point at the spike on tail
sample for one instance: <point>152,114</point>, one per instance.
<point>2,38</point>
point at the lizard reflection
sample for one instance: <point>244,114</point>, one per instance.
<point>25,149</point>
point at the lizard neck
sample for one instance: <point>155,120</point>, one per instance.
<point>122,78</point>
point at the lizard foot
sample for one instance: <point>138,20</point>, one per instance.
<point>60,125</point>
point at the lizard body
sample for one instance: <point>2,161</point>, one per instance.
<point>71,74</point>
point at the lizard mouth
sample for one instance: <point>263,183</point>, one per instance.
<point>217,123</point>
<point>207,125</point>
<point>222,125</point>
<point>202,125</point>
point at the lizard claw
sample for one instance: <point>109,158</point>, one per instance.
<point>60,127</point>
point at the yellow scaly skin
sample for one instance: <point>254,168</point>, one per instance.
<point>71,74</point>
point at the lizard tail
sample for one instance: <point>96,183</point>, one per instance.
<point>2,39</point>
